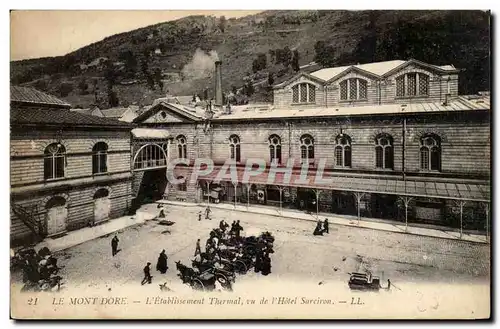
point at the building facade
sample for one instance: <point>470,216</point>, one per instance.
<point>394,139</point>
<point>68,170</point>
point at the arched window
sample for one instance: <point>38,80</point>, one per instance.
<point>100,158</point>
<point>343,151</point>
<point>303,93</point>
<point>384,152</point>
<point>430,153</point>
<point>101,193</point>
<point>353,89</point>
<point>182,147</point>
<point>149,156</point>
<point>234,146</point>
<point>57,201</point>
<point>412,84</point>
<point>306,147</point>
<point>275,148</point>
<point>54,161</point>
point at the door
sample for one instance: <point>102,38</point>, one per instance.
<point>57,216</point>
<point>102,206</point>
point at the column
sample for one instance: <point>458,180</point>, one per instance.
<point>248,196</point>
<point>359,196</point>
<point>406,201</point>
<point>280,188</point>
<point>460,204</point>
<point>317,192</point>
<point>208,192</point>
<point>235,185</point>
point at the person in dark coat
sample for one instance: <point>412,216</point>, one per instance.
<point>238,228</point>
<point>197,251</point>
<point>325,226</point>
<point>319,229</point>
<point>266,265</point>
<point>207,213</point>
<point>114,245</point>
<point>147,274</point>
<point>161,265</point>
<point>221,225</point>
<point>199,216</point>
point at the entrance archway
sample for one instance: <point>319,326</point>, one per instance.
<point>57,215</point>
<point>102,205</point>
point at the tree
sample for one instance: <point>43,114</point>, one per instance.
<point>295,60</point>
<point>270,79</point>
<point>158,78</point>
<point>324,54</point>
<point>234,89</point>
<point>248,89</point>
<point>222,23</point>
<point>83,86</point>
<point>65,89</point>
<point>259,63</point>
<point>272,54</point>
<point>113,98</point>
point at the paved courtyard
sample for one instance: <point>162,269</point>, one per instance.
<point>298,254</point>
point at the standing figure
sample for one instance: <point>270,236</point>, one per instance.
<point>207,213</point>
<point>199,215</point>
<point>197,251</point>
<point>161,265</point>
<point>147,274</point>
<point>114,245</point>
<point>221,225</point>
<point>238,228</point>
<point>318,230</point>
<point>325,226</point>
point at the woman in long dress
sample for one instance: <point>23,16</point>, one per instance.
<point>161,266</point>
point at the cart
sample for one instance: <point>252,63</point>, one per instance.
<point>364,282</point>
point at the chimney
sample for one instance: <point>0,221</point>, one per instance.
<point>218,84</point>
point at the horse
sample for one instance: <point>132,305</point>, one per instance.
<point>186,273</point>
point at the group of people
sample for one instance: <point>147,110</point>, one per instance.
<point>321,227</point>
<point>39,267</point>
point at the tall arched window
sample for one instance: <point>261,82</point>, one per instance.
<point>275,148</point>
<point>306,147</point>
<point>150,156</point>
<point>234,146</point>
<point>430,152</point>
<point>100,158</point>
<point>182,147</point>
<point>54,161</point>
<point>353,89</point>
<point>303,93</point>
<point>384,152</point>
<point>343,151</point>
<point>412,84</point>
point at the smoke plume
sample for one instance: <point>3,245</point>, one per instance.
<point>202,65</point>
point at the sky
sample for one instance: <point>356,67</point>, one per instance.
<point>45,33</point>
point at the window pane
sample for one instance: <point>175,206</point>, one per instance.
<point>435,163</point>
<point>311,152</point>
<point>362,89</point>
<point>238,153</point>
<point>303,152</point>
<point>343,90</point>
<point>184,149</point>
<point>424,158</point>
<point>400,86</point>
<point>95,163</point>
<point>423,84</point>
<point>312,94</point>
<point>295,94</point>
<point>379,157</point>
<point>347,155</point>
<point>232,151</point>
<point>389,158</point>
<point>338,156</point>
<point>353,89</point>
<point>303,93</point>
<point>60,167</point>
<point>412,84</point>
<point>278,153</point>
<point>271,152</point>
<point>48,168</point>
<point>104,164</point>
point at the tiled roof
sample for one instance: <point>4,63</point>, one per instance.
<point>379,68</point>
<point>33,96</point>
<point>114,112</point>
<point>461,103</point>
<point>57,116</point>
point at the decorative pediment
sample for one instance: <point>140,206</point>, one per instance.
<point>300,78</point>
<point>353,72</point>
<point>166,113</point>
<point>414,65</point>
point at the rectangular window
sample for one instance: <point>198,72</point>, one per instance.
<point>295,94</point>
<point>353,89</point>
<point>232,151</point>
<point>271,153</point>
<point>412,84</point>
<point>48,166</point>
<point>424,159</point>
<point>311,152</point>
<point>303,93</point>
<point>238,153</point>
<point>435,159</point>
<point>379,157</point>
<point>389,161</point>
<point>347,156</point>
<point>338,156</point>
<point>312,94</point>
<point>303,152</point>
<point>278,153</point>
<point>400,86</point>
<point>423,84</point>
<point>343,90</point>
<point>362,89</point>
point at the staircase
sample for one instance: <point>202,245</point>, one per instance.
<point>31,218</point>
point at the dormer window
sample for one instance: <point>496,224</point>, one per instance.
<point>303,93</point>
<point>353,89</point>
<point>412,84</point>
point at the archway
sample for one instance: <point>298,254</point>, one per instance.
<point>102,205</point>
<point>56,216</point>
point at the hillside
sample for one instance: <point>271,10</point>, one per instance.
<point>178,56</point>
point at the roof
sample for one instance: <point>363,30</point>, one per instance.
<point>147,133</point>
<point>114,112</point>
<point>419,187</point>
<point>57,116</point>
<point>186,111</point>
<point>461,103</point>
<point>30,95</point>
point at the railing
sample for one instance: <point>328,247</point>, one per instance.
<point>30,217</point>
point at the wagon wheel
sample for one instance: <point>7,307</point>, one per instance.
<point>222,279</point>
<point>240,266</point>
<point>197,285</point>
